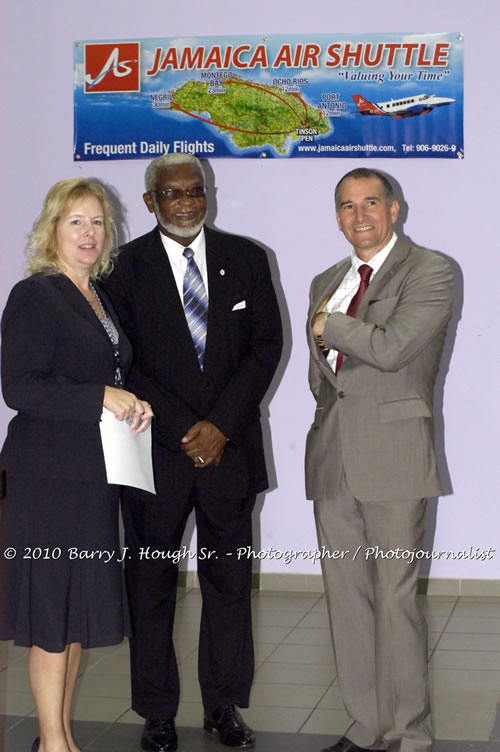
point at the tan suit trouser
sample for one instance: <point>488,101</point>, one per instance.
<point>379,634</point>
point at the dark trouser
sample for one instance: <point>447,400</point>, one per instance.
<point>226,661</point>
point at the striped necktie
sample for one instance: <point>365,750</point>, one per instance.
<point>195,304</point>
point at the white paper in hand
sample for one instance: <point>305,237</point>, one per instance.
<point>127,455</point>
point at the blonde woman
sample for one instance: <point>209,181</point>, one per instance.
<point>64,358</point>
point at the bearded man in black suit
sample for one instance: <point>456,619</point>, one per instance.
<point>201,312</point>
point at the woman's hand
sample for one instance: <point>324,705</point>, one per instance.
<point>142,420</point>
<point>126,406</point>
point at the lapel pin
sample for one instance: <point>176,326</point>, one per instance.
<point>222,272</point>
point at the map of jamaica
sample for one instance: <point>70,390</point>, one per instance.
<point>254,114</point>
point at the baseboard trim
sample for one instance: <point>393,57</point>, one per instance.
<point>463,587</point>
<point>313,583</point>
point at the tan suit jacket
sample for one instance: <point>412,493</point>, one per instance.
<point>374,419</point>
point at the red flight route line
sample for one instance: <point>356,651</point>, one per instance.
<point>266,91</point>
<point>297,96</point>
<point>242,130</point>
<point>227,127</point>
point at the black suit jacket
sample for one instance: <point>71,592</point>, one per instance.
<point>56,360</point>
<point>243,348</point>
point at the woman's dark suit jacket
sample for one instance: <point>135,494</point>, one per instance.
<point>56,360</point>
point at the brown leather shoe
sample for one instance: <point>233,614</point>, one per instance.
<point>232,729</point>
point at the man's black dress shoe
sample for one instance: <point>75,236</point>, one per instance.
<point>36,745</point>
<point>345,745</point>
<point>159,736</point>
<point>231,727</point>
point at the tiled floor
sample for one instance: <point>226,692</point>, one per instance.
<point>295,703</point>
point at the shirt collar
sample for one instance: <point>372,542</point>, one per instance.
<point>379,258</point>
<point>172,246</point>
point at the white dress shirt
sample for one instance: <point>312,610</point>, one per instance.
<point>339,302</point>
<point>179,263</point>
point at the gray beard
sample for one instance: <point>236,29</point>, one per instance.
<point>184,232</point>
<point>181,232</point>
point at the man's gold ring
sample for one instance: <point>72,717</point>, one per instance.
<point>200,460</point>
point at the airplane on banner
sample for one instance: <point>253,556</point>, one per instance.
<point>419,104</point>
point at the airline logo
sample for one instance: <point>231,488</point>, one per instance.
<point>112,67</point>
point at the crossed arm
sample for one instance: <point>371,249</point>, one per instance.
<point>421,310</point>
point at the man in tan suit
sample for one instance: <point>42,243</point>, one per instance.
<point>376,327</point>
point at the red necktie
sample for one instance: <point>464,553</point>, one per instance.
<point>365,274</point>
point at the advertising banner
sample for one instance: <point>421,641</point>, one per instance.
<point>325,95</point>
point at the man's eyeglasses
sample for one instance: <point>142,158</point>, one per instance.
<point>174,194</point>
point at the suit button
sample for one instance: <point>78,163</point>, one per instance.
<point>341,395</point>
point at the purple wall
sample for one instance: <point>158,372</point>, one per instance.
<point>452,207</point>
